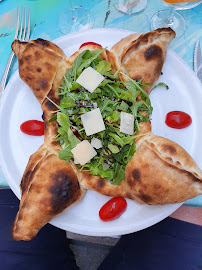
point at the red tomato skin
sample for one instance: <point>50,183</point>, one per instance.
<point>113,209</point>
<point>89,43</point>
<point>32,127</point>
<point>178,119</point>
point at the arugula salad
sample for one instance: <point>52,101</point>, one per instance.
<point>112,100</point>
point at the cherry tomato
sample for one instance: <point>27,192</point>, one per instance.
<point>113,209</point>
<point>89,43</point>
<point>33,127</point>
<point>178,119</point>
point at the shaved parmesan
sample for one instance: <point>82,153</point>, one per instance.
<point>83,152</point>
<point>127,123</point>
<point>93,122</point>
<point>96,143</point>
<point>90,79</point>
<point>95,105</point>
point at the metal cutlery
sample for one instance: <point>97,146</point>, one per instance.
<point>22,33</point>
<point>198,60</point>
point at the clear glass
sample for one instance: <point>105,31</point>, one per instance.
<point>130,6</point>
<point>182,4</point>
<point>75,19</point>
<point>171,18</point>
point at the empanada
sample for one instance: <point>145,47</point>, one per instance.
<point>161,172</point>
<point>141,55</point>
<point>49,185</point>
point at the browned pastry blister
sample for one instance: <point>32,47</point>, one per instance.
<point>51,187</point>
<point>160,171</point>
<point>38,64</point>
<point>99,184</point>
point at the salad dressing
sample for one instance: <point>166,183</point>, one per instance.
<point>76,133</point>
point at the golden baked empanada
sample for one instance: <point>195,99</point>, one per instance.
<point>141,55</point>
<point>161,172</point>
<point>49,185</point>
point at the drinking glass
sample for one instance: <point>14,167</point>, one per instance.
<point>171,18</point>
<point>130,6</point>
<point>74,19</point>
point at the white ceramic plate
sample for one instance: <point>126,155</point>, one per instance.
<point>19,104</point>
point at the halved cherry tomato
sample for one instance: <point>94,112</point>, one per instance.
<point>178,119</point>
<point>33,127</point>
<point>89,43</point>
<point>113,209</point>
